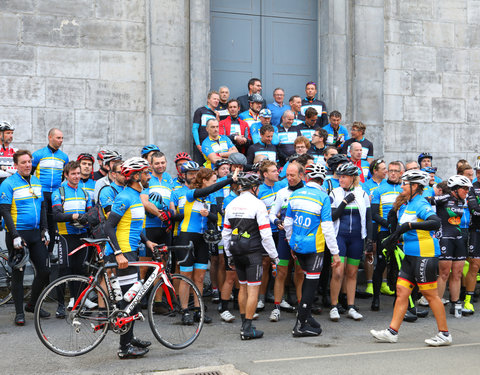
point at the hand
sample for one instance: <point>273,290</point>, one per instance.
<point>18,242</point>
<point>275,261</point>
<point>294,257</point>
<point>231,263</point>
<point>336,262</point>
<point>204,212</point>
<point>75,217</point>
<point>235,174</point>
<point>82,219</point>
<point>165,215</point>
<point>369,246</point>
<point>279,224</point>
<point>121,261</point>
<point>349,198</point>
<point>199,148</point>
<point>405,227</point>
<point>151,245</point>
<point>391,241</point>
<point>45,237</point>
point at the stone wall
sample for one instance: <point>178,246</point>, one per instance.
<point>431,86</point>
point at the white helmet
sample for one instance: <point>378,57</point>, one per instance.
<point>109,156</point>
<point>134,165</point>
<point>416,176</point>
<point>459,181</point>
<point>316,171</point>
<point>477,165</point>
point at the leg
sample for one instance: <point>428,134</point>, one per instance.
<point>455,280</point>
<point>298,279</point>
<point>336,282</point>
<point>444,272</point>
<point>351,282</point>
<point>404,288</point>
<point>437,307</point>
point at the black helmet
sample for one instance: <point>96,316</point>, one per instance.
<point>212,236</point>
<point>18,258</point>
<point>248,180</point>
<point>237,158</point>
<point>348,169</point>
<point>221,162</point>
<point>336,160</point>
<point>255,98</point>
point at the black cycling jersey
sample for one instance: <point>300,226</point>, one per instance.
<point>450,211</point>
<point>474,205</point>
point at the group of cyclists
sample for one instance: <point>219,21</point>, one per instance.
<point>273,208</point>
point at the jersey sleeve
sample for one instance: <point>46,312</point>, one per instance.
<point>189,195</point>
<point>326,214</point>
<point>35,159</point>
<point>206,148</point>
<point>56,198</point>
<point>376,196</point>
<point>6,193</point>
<point>424,210</point>
<point>367,199</point>
<point>197,118</point>
<point>229,143</point>
<point>120,205</point>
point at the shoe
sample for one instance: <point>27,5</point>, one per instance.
<point>275,315</point>
<point>452,309</point>
<point>20,319</point>
<point>70,304</point>
<point>285,306</point>
<point>421,313</point>
<point>187,318</point>
<point>89,304</point>
<point>269,297</point>
<point>140,343</point>
<point>196,317</point>
<point>255,316</point>
<point>341,310</point>
<point>445,301</point>
<point>216,296</point>
<point>317,310</point>
<point>334,315</point>
<point>369,289</point>
<point>467,306</point>
<point>375,304</point>
<point>250,333</point>
<point>354,314</point>
<point>385,289</point>
<point>305,330</point>
<point>410,316</point>
<point>53,258</point>
<point>227,316</point>
<point>260,305</point>
<point>312,322</point>
<point>439,340</point>
<point>60,313</point>
<point>43,314</point>
<point>131,352</point>
<point>384,335</point>
<point>423,301</point>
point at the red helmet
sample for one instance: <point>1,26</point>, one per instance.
<point>86,156</point>
<point>133,165</point>
<point>182,156</point>
<point>100,154</point>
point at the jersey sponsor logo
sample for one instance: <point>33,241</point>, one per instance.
<point>455,220</point>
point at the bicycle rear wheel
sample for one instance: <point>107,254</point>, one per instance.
<point>72,332</point>
<point>165,317</point>
<point>5,278</point>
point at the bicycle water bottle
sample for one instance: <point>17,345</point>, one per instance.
<point>458,310</point>
<point>132,292</point>
<point>117,291</point>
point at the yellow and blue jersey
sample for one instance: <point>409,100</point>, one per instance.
<point>267,195</point>
<point>88,186</point>
<point>48,166</point>
<point>308,207</point>
<point>107,194</point>
<point>420,243</point>
<point>129,206</point>
<point>370,185</point>
<point>333,136</point>
<point>178,199</point>
<point>255,133</point>
<point>385,195</point>
<point>25,198</point>
<point>164,188</point>
<point>75,201</point>
<point>216,146</point>
<point>192,221</point>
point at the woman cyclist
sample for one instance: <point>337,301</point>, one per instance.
<point>413,217</point>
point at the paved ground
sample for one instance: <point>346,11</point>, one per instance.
<point>344,347</point>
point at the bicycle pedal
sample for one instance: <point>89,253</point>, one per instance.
<point>139,316</point>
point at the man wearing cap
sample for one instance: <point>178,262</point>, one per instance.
<point>7,167</point>
<point>254,87</point>
<point>311,101</point>
<point>265,117</point>
<point>235,128</point>
<point>251,115</point>
<point>278,107</point>
<point>216,146</point>
<point>308,127</point>
<point>425,161</point>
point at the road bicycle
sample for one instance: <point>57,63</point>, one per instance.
<point>91,310</point>
<point>6,278</point>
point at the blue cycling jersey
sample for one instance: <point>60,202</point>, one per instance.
<point>178,198</point>
<point>75,201</point>
<point>333,136</point>
<point>385,195</point>
<point>370,185</point>
<point>48,166</point>
<point>255,133</point>
<point>164,188</point>
<point>88,186</point>
<point>215,146</point>
<point>108,193</point>
<point>267,195</point>
<point>192,221</point>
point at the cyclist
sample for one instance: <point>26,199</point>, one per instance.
<point>108,193</point>
<point>124,228</point>
<point>47,164</point>
<point>108,158</point>
<point>180,159</point>
<point>24,215</point>
<point>216,146</point>
<point>308,227</point>
<point>308,127</point>
<point>147,152</point>
<point>424,161</point>
<point>331,181</point>
<point>6,152</point>
<point>311,101</point>
<point>352,218</point>
<point>246,233</point>
<point>102,171</point>
<point>200,118</point>
<point>318,146</point>
<point>256,103</point>
<point>337,134</point>
<point>86,168</point>
<point>235,128</point>
<point>413,217</point>
<point>264,116</point>
<point>264,147</point>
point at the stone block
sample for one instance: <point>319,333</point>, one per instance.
<point>173,14</point>
<point>451,10</point>
<point>398,82</point>
<point>8,28</point>
<point>200,71</point>
<point>473,111</point>
<point>124,123</point>
<point>474,60</point>
<point>438,34</point>
<point>63,92</point>
<point>199,11</point>
<point>17,5</point>
<point>67,62</point>
<point>419,58</point>
<point>414,9</point>
<point>392,108</point>
<point>168,95</point>
<point>45,119</point>
<point>132,10</point>
<point>417,108</point>
<point>339,18</point>
<point>122,66</point>
<point>22,91</point>
<point>448,110</point>
<point>466,139</point>
<point>98,123</point>
<point>370,68</point>
<point>473,36</point>
<point>369,40</point>
<point>113,35</point>
<point>104,95</point>
<point>370,3</point>
<point>168,128</point>
<point>404,32</point>
<point>462,35</point>
<point>393,56</point>
<point>427,84</point>
<point>369,102</point>
<point>51,31</point>
<point>457,85</point>
<point>375,134</point>
<point>442,144</point>
<point>21,118</point>
<point>17,60</point>
<point>75,8</point>
<point>452,60</point>
<point>399,138</point>
<point>473,12</point>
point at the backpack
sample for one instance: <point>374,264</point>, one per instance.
<point>95,218</point>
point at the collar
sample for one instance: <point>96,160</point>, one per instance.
<point>278,105</point>
<point>84,179</point>
<point>296,187</point>
<point>215,140</point>
<point>52,149</point>
<point>315,185</point>
<point>310,100</point>
<point>75,188</point>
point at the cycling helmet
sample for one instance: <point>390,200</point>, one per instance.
<point>18,258</point>
<point>220,162</point>
<point>265,113</point>
<point>430,169</point>
<point>189,166</point>
<point>348,169</point>
<point>417,177</point>
<point>477,165</point>
<point>109,156</point>
<point>237,158</point>
<point>256,166</point>
<point>212,236</point>
<point>4,125</point>
<point>424,155</point>
<point>157,199</point>
<point>459,181</point>
<point>292,157</point>
<point>86,156</point>
<point>336,160</point>
<point>100,154</point>
<point>182,156</point>
<point>133,165</point>
<point>316,171</point>
<point>255,98</point>
<point>149,148</point>
<point>248,180</point>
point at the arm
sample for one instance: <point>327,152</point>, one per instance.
<point>43,217</point>
<point>231,150</point>
<point>432,223</point>
<point>110,225</point>
<point>473,203</point>
<point>226,235</point>
<point>369,223</point>
<point>266,232</point>
<point>376,215</point>
<point>199,193</point>
<point>196,136</point>
<point>392,220</point>
<point>59,215</point>
<point>5,210</point>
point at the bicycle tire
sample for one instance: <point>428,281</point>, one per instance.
<point>6,278</point>
<point>165,320</point>
<point>74,334</point>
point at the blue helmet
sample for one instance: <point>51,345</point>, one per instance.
<point>189,166</point>
<point>424,155</point>
<point>149,148</point>
<point>157,199</point>
<point>430,169</point>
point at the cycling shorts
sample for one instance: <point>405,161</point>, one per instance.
<point>474,246</point>
<point>188,260</point>
<point>420,271</point>
<point>283,249</point>
<point>452,249</point>
<point>249,268</point>
<point>311,264</point>
<point>127,276</point>
<point>159,236</point>
<point>351,247</point>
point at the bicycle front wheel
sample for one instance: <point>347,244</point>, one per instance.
<point>72,332</point>
<point>6,278</point>
<point>165,314</point>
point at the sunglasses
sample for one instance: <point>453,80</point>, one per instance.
<point>377,163</point>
